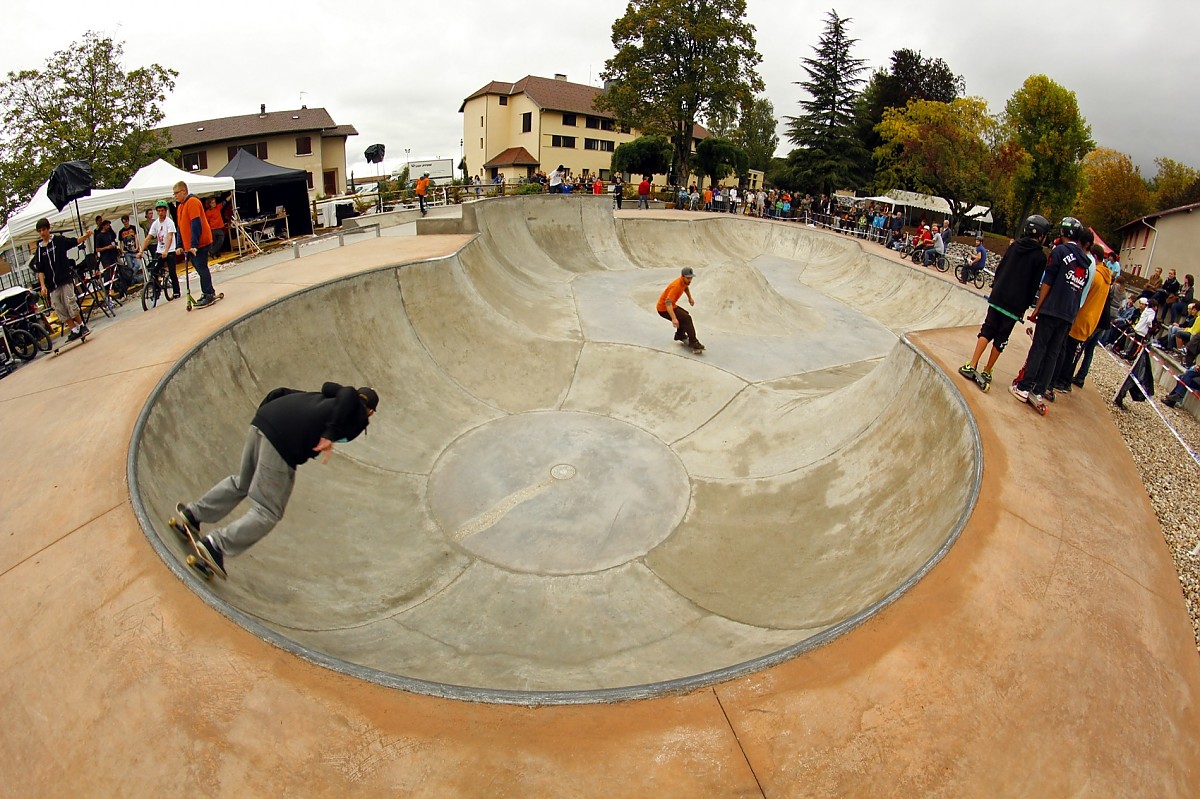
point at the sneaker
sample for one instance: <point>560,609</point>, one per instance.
<point>84,330</point>
<point>204,300</point>
<point>984,379</point>
<point>74,334</point>
<point>967,371</point>
<point>1048,396</point>
<point>215,555</point>
<point>1065,388</point>
<point>189,518</point>
<point>1077,382</point>
<point>1170,402</point>
<point>697,347</point>
<point>1019,393</point>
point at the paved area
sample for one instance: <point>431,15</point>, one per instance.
<point>1046,653</point>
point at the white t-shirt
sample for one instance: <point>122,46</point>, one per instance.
<point>161,230</point>
<point>556,178</point>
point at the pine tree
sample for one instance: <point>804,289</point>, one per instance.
<point>829,154</point>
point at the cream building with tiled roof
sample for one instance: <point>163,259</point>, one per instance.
<point>516,129</point>
<point>305,138</point>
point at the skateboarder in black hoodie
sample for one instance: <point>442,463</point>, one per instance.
<point>289,428</point>
<point>1017,278</point>
<point>1057,304</point>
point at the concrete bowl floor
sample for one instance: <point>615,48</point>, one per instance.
<point>556,502</point>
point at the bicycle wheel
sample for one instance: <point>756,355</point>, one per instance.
<point>41,336</point>
<point>960,272</point>
<point>150,294</point>
<point>941,263</point>
<point>980,279</point>
<point>23,345</point>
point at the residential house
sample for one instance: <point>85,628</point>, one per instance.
<point>535,124</point>
<point>1167,239</point>
<point>306,138</point>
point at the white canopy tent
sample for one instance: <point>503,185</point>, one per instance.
<point>152,182</point>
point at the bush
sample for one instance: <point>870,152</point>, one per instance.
<point>531,187</point>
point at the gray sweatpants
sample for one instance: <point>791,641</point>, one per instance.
<point>266,479</point>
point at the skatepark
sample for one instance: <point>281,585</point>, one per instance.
<point>571,557</point>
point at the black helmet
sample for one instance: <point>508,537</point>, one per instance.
<point>1071,228</point>
<point>1036,225</point>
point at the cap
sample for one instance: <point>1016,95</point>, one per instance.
<point>687,272</point>
<point>1141,301</point>
<point>369,397</point>
<point>424,174</point>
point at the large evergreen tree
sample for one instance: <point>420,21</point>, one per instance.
<point>82,105</point>
<point>829,154</point>
<point>677,60</point>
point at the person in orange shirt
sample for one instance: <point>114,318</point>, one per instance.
<point>708,199</point>
<point>421,189</point>
<point>668,308</point>
<point>215,215</point>
<point>195,236</point>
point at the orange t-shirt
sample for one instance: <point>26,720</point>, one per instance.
<point>215,220</point>
<point>190,209</point>
<point>707,196</point>
<point>422,186</point>
<point>672,292</point>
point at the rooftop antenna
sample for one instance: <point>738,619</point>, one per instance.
<point>302,105</point>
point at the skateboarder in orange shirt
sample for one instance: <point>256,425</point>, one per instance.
<point>668,308</point>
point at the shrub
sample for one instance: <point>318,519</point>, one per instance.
<point>529,188</point>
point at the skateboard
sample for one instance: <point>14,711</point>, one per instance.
<point>984,383</point>
<point>198,558</point>
<point>67,345</point>
<point>191,302</point>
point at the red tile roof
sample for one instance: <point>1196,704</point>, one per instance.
<point>272,123</point>
<point>513,156</point>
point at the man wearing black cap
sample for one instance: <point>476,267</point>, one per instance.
<point>289,428</point>
<point>668,308</point>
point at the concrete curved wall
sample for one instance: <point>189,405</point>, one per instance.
<point>827,464</point>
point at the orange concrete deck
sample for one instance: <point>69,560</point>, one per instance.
<point>1048,654</point>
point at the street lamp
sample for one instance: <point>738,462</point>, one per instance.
<point>406,151</point>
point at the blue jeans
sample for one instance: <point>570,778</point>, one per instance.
<point>1190,379</point>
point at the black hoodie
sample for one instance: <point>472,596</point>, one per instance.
<point>295,421</point>
<point>1018,276</point>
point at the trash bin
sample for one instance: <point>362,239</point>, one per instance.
<point>345,211</point>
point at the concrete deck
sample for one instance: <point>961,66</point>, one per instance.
<point>809,466</point>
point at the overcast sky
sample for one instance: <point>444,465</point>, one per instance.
<point>399,71</point>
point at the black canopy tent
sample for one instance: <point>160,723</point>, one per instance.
<point>260,187</point>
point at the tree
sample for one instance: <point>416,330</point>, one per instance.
<point>81,106</point>
<point>1174,185</point>
<point>1043,119</point>
<point>939,148</point>
<point>910,76</point>
<point>756,134</point>
<point>645,155</point>
<point>829,154</point>
<point>715,158</point>
<point>1113,192</point>
<point>677,60</point>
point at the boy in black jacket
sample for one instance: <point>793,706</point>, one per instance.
<point>1017,278</point>
<point>1058,303</point>
<point>289,428</point>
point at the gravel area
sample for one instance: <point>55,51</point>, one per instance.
<point>1170,474</point>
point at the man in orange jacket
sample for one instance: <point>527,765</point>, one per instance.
<point>421,190</point>
<point>195,236</point>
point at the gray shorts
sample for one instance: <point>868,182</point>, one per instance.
<point>62,300</point>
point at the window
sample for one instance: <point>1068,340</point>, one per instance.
<point>569,120</point>
<point>304,146</point>
<point>599,144</point>
<point>310,180</point>
<point>527,122</point>
<point>596,123</point>
<point>195,161</point>
<point>481,121</point>
<point>503,101</point>
<point>257,149</point>
<point>562,141</point>
<point>593,123</point>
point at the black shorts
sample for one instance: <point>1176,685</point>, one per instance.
<point>996,328</point>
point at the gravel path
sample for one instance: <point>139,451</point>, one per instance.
<point>1170,474</point>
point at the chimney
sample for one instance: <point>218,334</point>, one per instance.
<point>559,76</point>
<point>262,110</point>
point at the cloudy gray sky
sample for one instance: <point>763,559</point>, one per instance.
<point>399,71</point>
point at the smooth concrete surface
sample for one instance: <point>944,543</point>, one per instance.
<point>1047,654</point>
<point>521,518</point>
